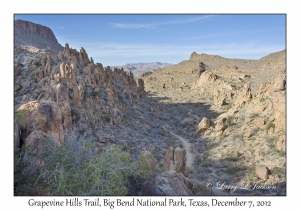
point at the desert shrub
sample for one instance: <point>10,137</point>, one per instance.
<point>262,100</point>
<point>106,118</point>
<point>23,185</point>
<point>235,169</point>
<point>151,114</point>
<point>75,115</point>
<point>229,106</point>
<point>270,125</point>
<point>20,115</point>
<point>76,169</point>
<point>278,170</point>
<point>94,93</point>
<point>254,115</point>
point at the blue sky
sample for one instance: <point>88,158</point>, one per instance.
<point>120,39</point>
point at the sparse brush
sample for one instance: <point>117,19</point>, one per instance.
<point>269,126</point>
<point>20,115</point>
<point>254,115</point>
<point>229,106</point>
<point>235,169</point>
<point>75,169</point>
<point>94,93</point>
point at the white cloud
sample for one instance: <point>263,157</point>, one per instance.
<point>154,25</point>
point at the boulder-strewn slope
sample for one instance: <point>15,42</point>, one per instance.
<point>35,36</point>
<point>246,140</point>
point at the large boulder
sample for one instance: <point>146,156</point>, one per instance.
<point>259,122</point>
<point>43,116</point>
<point>171,183</point>
<point>175,180</point>
<point>222,124</point>
<point>279,83</point>
<point>204,125</point>
<point>262,172</point>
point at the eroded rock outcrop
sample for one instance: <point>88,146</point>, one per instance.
<point>43,116</point>
<point>175,180</point>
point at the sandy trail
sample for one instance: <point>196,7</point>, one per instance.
<point>188,147</point>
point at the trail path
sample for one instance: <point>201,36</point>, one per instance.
<point>190,112</point>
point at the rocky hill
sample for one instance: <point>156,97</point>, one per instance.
<point>35,36</point>
<point>240,115</point>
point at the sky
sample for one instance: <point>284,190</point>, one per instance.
<point>115,40</point>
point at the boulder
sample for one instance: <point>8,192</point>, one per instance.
<point>17,70</point>
<point>281,143</point>
<point>222,124</point>
<point>204,125</point>
<point>171,183</point>
<point>247,134</point>
<point>262,172</point>
<point>279,84</point>
<point>43,116</point>
<point>259,122</point>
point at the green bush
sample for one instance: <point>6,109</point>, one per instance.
<point>76,169</point>
<point>229,106</point>
<point>270,125</point>
<point>20,115</point>
<point>94,93</point>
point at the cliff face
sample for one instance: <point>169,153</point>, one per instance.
<point>35,35</point>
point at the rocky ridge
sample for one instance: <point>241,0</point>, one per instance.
<point>35,37</point>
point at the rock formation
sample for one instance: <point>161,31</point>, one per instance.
<point>31,34</point>
<point>175,180</point>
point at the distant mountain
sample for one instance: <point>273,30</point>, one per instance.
<point>35,35</point>
<point>139,68</point>
<point>145,66</point>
